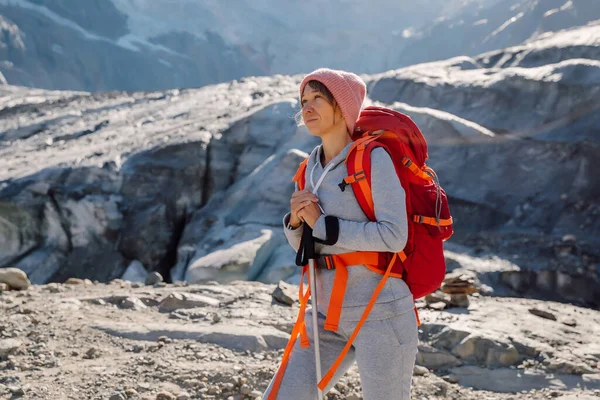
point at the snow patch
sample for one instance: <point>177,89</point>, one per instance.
<point>505,25</point>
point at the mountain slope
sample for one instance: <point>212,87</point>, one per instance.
<point>161,44</point>
<point>504,23</point>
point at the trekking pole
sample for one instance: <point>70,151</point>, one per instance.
<point>306,253</point>
<point>315,321</point>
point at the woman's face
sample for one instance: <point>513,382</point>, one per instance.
<point>319,116</point>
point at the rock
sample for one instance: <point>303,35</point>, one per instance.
<point>92,353</point>
<point>447,338</point>
<point>438,306</point>
<point>507,380</point>
<point>14,278</point>
<point>340,386</point>
<point>70,303</point>
<point>213,390</point>
<point>176,300</point>
<point>165,396</point>
<point>16,390</point>
<point>132,303</point>
<point>4,287</point>
<point>568,367</point>
<point>75,281</point>
<point>436,297</point>
<point>153,278</point>
<point>143,387</point>
<point>461,284</point>
<point>490,352</point>
<point>118,396</point>
<point>231,263</point>
<point>434,359</point>
<point>542,314</point>
<point>8,346</point>
<point>136,272</point>
<point>284,293</point>
<point>54,287</point>
<point>183,396</point>
<point>165,339</point>
<point>459,300</point>
<point>419,370</point>
<point>245,389</point>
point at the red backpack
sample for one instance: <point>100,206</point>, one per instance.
<point>421,264</point>
<point>429,220</point>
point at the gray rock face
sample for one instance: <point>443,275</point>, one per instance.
<point>133,199</point>
<point>194,183</point>
<point>537,115</point>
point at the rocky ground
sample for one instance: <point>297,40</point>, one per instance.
<point>123,340</point>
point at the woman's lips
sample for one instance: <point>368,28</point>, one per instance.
<point>310,120</point>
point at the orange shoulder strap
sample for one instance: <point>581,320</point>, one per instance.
<point>359,166</point>
<point>300,176</point>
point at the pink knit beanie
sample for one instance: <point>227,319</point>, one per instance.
<point>347,88</point>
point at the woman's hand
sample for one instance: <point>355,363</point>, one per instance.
<point>310,214</point>
<point>301,199</point>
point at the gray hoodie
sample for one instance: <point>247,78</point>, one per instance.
<point>356,233</point>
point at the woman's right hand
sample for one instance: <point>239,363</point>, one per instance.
<point>300,199</point>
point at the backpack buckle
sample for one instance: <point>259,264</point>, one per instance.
<point>329,262</point>
<point>359,176</point>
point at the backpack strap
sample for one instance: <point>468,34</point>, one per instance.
<point>358,162</point>
<point>299,328</point>
<point>420,219</point>
<point>329,375</point>
<point>300,177</point>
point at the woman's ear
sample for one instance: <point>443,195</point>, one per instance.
<point>337,109</point>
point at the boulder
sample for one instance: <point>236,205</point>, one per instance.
<point>14,278</point>
<point>175,301</point>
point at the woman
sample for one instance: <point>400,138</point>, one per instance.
<point>386,345</point>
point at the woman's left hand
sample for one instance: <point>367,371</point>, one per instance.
<point>310,214</point>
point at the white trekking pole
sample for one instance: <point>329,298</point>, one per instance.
<point>315,321</point>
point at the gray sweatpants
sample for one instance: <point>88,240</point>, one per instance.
<point>385,350</point>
